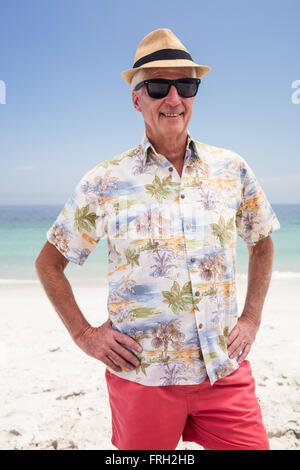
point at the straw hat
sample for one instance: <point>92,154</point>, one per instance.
<point>161,48</point>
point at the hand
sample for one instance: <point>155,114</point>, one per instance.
<point>106,344</point>
<point>241,338</point>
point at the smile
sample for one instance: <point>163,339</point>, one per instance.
<point>171,115</point>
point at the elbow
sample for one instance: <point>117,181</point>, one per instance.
<point>39,260</point>
<point>38,264</point>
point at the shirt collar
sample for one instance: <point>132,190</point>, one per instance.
<point>149,151</point>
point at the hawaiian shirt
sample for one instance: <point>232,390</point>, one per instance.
<point>171,252</point>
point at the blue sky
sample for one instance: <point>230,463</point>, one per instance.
<point>68,108</point>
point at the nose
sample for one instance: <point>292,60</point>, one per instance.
<point>172,97</point>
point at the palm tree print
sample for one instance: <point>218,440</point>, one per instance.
<point>212,267</point>
<point>162,262</point>
<point>221,230</point>
<point>142,365</point>
<point>83,219</point>
<point>132,257</point>
<point>175,373</point>
<point>165,333</point>
<point>161,189</point>
<point>179,299</point>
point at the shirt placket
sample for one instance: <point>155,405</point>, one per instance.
<point>186,204</point>
<point>184,200</point>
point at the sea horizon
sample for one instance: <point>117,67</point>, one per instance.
<point>23,229</point>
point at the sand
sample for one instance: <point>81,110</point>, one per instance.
<point>53,396</point>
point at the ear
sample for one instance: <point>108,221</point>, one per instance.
<point>136,101</point>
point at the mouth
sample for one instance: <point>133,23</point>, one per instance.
<point>171,115</point>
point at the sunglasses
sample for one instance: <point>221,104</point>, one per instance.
<point>159,87</point>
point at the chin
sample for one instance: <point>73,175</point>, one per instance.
<point>176,125</point>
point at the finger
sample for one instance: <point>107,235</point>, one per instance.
<point>237,349</point>
<point>107,361</point>
<point>123,352</point>
<point>233,335</point>
<point>244,353</point>
<point>234,345</point>
<point>125,339</point>
<point>120,360</point>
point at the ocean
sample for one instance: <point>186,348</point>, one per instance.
<point>23,234</point>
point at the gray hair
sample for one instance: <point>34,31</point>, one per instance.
<point>137,78</point>
<point>140,75</point>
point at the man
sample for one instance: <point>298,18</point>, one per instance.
<point>174,344</point>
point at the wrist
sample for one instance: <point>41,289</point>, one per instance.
<point>79,331</point>
<point>254,319</point>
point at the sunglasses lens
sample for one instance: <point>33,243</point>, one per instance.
<point>158,89</point>
<point>187,88</point>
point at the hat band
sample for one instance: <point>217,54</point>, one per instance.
<point>163,54</point>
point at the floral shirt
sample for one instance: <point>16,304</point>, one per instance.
<point>171,252</point>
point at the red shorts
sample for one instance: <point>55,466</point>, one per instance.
<point>225,416</point>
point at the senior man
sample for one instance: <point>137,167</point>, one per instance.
<point>171,208</point>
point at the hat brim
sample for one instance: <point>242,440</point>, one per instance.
<point>201,70</point>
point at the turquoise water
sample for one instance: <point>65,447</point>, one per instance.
<point>23,234</point>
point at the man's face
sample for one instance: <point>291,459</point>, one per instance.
<point>158,124</point>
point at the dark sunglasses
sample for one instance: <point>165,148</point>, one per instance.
<point>160,87</point>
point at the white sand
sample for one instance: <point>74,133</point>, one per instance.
<point>53,396</point>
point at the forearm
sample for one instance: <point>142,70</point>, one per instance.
<point>59,292</point>
<point>259,276</point>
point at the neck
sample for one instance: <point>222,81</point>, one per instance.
<point>171,146</point>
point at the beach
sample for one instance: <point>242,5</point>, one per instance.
<point>54,396</point>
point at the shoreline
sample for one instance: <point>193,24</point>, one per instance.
<point>94,281</point>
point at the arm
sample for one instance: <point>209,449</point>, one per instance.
<point>50,266</point>
<point>259,275</point>
<point>103,343</point>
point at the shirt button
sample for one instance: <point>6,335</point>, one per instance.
<point>182,196</point>
<point>193,260</point>
<point>197,293</point>
<point>170,168</point>
<point>200,326</point>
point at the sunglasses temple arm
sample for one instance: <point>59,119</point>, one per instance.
<point>139,85</point>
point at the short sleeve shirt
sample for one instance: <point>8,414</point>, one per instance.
<point>171,252</point>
